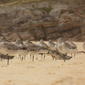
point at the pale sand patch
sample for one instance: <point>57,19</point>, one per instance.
<point>45,72</point>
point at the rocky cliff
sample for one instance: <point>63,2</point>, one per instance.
<point>43,20</point>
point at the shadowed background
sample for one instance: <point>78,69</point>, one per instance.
<point>37,19</point>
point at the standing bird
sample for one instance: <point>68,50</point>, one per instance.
<point>67,47</point>
<point>71,48</point>
<point>27,43</point>
<point>52,45</point>
<point>42,44</point>
<point>10,46</point>
<point>6,57</point>
<point>32,49</point>
<point>43,48</point>
<point>20,44</point>
<point>60,45</point>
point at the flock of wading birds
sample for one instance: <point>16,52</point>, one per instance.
<point>60,49</point>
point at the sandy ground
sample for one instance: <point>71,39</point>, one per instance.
<point>44,72</point>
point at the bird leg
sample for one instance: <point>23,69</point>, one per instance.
<point>33,58</point>
<point>8,61</point>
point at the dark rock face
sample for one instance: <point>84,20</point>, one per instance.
<point>35,21</point>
